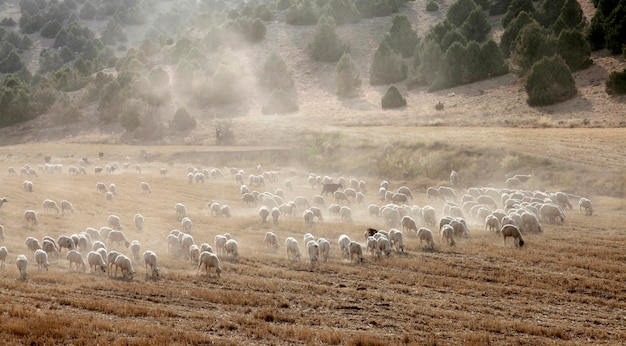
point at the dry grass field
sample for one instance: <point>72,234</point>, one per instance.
<point>565,286</point>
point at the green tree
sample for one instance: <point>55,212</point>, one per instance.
<point>14,101</point>
<point>616,83</point>
<point>511,32</point>
<point>88,11</point>
<point>549,81</point>
<point>531,46</point>
<point>392,98</point>
<point>275,75</point>
<point>402,37</point>
<point>49,61</point>
<point>430,59</point>
<point>326,45</point>
<point>301,13</point>
<point>476,26</point>
<point>549,11</point>
<point>596,32</point>
<point>50,29</point>
<point>515,8</point>
<point>387,66</point>
<point>499,7</point>
<point>459,11</point>
<point>129,116</point>
<point>451,37</point>
<point>492,62</point>
<point>616,29</point>
<point>11,63</point>
<point>182,120</point>
<point>432,6</point>
<point>347,77</point>
<point>571,15</point>
<point>342,11</point>
<point>574,49</point>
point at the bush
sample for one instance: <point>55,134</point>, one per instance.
<point>430,60</point>
<point>571,16</point>
<point>49,61</point>
<point>476,26</point>
<point>432,6</point>
<point>393,98</point>
<point>492,62</point>
<point>574,49</point>
<point>515,8</point>
<point>549,11</point>
<point>387,66</point>
<point>50,29</point>
<point>301,14</point>
<point>182,120</point>
<point>616,29</point>
<point>596,32</point>
<point>532,45</point>
<point>274,74</point>
<point>402,37</point>
<point>14,101</point>
<point>347,77</point>
<point>511,32</point>
<point>326,45</point>
<point>129,117</point>
<point>616,83</point>
<point>8,22</point>
<point>498,7</point>
<point>11,63</point>
<point>280,102</point>
<point>451,37</point>
<point>549,81</point>
<point>459,11</point>
<point>88,11</point>
<point>343,11</point>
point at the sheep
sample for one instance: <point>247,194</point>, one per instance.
<point>194,254</point>
<point>135,247</point>
<point>225,211</point>
<point>101,187</point>
<point>293,249</point>
<point>355,249</point>
<point>185,225</point>
<point>396,239</point>
<point>324,248</point>
<point>248,198</point>
<point>424,234</point>
<point>65,242</point>
<point>429,216</point>
<point>113,188</point>
<point>96,262</point>
<point>124,263</point>
<point>209,260</point>
<point>206,247</point>
<point>49,204</point>
<point>330,188</point>
<point>111,257</point>
<point>340,197</point>
<point>2,201</point>
<point>1,233</point>
<point>3,255</point>
<point>109,196</point>
<point>372,246</point>
<point>344,243</point>
<point>460,227</point>
<point>492,222</point>
<point>562,200</point>
<point>488,201</point>
<point>301,203</point>
<point>98,245</point>
<point>433,193</point>
<point>150,259</point>
<point>345,214</point>
<point>31,217</point>
<point>530,222</point>
<point>408,224</point>
<point>308,217</point>
<point>22,263</point>
<point>514,183</point>
<point>12,171</point>
<point>114,222</point>
<point>454,178</point>
<point>550,212</point>
<point>314,250</point>
<point>384,245</point>
<point>317,213</point>
<point>220,243</point>
<point>32,244</point>
<point>447,233</point>
<point>49,246</point>
<point>138,222</point>
<point>185,241</point>
<point>163,172</point>
<point>28,186</point>
<point>585,203</point>
<point>181,211</point>
<point>271,241</point>
<point>215,208</point>
<point>406,191</point>
<point>118,237</point>
<point>74,257</point>
<point>447,193</point>
<point>66,206</point>
<point>41,257</point>
<point>231,250</point>
<point>513,232</point>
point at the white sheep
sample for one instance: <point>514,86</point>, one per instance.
<point>194,254</point>
<point>66,207</point>
<point>49,246</point>
<point>384,245</point>
<point>209,260</point>
<point>314,250</point>
<point>492,223</point>
<point>101,187</point>
<point>220,243</point>
<point>181,211</point>
<point>185,225</point>
<point>96,261</point>
<point>408,224</point>
<point>308,217</point>
<point>3,255</point>
<point>373,210</point>
<point>264,212</point>
<point>513,232</point>
<point>424,234</point>
<point>185,241</point>
<point>12,171</point>
<point>31,217</point>
<point>75,257</point>
<point>118,237</point>
<point>355,249</point>
<point>271,240</point>
<point>41,257</point>
<point>324,248</point>
<point>372,246</point>
<point>150,259</point>
<point>585,203</point>
<point>275,214</point>
<point>32,244</point>
<point>293,249</point>
<point>138,222</point>
<point>396,239</point>
<point>114,222</point>
<point>215,208</point>
<point>345,214</point>
<point>135,248</point>
<point>163,172</point>
<point>113,188</point>
<point>447,233</point>
<point>125,264</point>
<point>206,247</point>
<point>22,265</point>
<point>231,249</point>
<point>66,242</point>
<point>1,232</point>
<point>49,204</point>
<point>225,211</point>
<point>28,186</point>
<point>111,257</point>
<point>344,245</point>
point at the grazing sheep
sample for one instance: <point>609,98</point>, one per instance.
<point>2,201</point>
<point>384,245</point>
<point>340,197</point>
<point>150,259</point>
<point>334,210</point>
<point>124,263</point>
<point>135,248</point>
<point>308,217</point>
<point>194,254</point>
<point>318,201</point>
<point>12,171</point>
<point>324,248</point>
<point>447,193</point>
<point>355,249</point>
<point>22,265</point>
<point>345,214</point>
<point>41,257</point>
<point>271,241</point>
<point>231,249</point>
<point>66,206</point>
<point>530,222</point>
<point>181,211</point>
<point>248,198</point>
<point>513,232</point>
<point>314,250</point>
<point>395,239</point>
<point>113,188</point>
<point>66,242</point>
<point>220,243</point>
<point>433,193</point>
<point>206,247</point>
<point>74,257</point>
<point>185,225</point>
<point>101,187</point>
<point>145,187</point>
<point>293,249</point>
<point>424,234</point>
<point>514,184</point>
<point>550,212</point>
<point>209,260</point>
<point>96,262</point>
<point>373,210</point>
<point>585,203</point>
<point>406,191</point>
<point>372,246</point>
<point>114,222</point>
<point>31,217</point>
<point>3,255</point>
<point>408,224</point>
<point>49,246</point>
<point>344,245</point>
<point>1,232</point>
<point>185,241</point>
<point>28,186</point>
<point>264,212</point>
<point>118,237</point>
<point>492,222</point>
<point>429,215</point>
<point>447,233</point>
<point>163,172</point>
<point>111,257</point>
<point>330,188</point>
<point>562,200</point>
<point>275,214</point>
<point>225,211</point>
<point>32,244</point>
<point>108,196</point>
<point>49,204</point>
<point>215,208</point>
<point>138,222</point>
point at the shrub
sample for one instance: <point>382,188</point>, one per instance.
<point>49,61</point>
<point>574,49</point>
<point>549,81</point>
<point>11,63</point>
<point>459,11</point>
<point>498,7</point>
<point>616,29</point>
<point>531,46</point>
<point>451,37</point>
<point>432,6</point>
<point>129,116</point>
<point>511,32</point>
<point>343,11</point>
<point>476,26</point>
<point>571,15</point>
<point>596,32</point>
<point>280,101</point>
<point>616,83</point>
<point>30,24</point>
<point>8,22</point>
<point>301,13</point>
<point>549,11</point>
<point>274,74</point>
<point>387,66</point>
<point>393,98</point>
<point>347,77</point>
<point>50,29</point>
<point>182,120</point>
<point>326,45</point>
<point>492,62</point>
<point>15,101</point>
<point>402,37</point>
<point>515,8</point>
<point>88,11</point>
<point>430,60</point>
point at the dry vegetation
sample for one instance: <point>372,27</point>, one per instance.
<point>565,286</point>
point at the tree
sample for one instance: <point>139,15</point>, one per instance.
<point>326,45</point>
<point>50,29</point>
<point>532,44</point>
<point>14,101</point>
<point>301,13</point>
<point>574,49</point>
<point>492,62</point>
<point>596,32</point>
<point>616,83</point>
<point>459,11</point>
<point>515,8</point>
<point>498,7</point>
<point>432,6</point>
<point>430,60</point>
<point>549,11</point>
<point>342,11</point>
<point>182,120</point>
<point>454,67</point>
<point>571,15</point>
<point>129,116</point>
<point>451,37</point>
<point>347,77</point>
<point>549,81</point>
<point>275,75</point>
<point>511,32</point>
<point>387,66</point>
<point>476,26</point>
<point>392,98</point>
<point>616,29</point>
<point>402,37</point>
<point>11,63</point>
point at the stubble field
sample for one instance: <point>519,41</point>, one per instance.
<point>565,286</point>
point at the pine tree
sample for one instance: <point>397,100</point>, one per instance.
<point>387,66</point>
<point>402,37</point>
<point>347,77</point>
<point>549,81</point>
